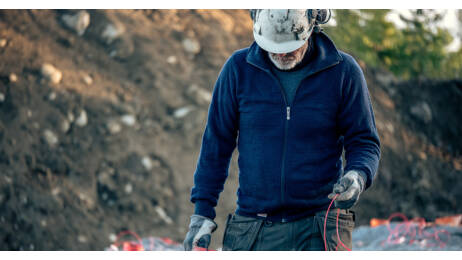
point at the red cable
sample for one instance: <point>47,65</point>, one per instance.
<point>325,222</point>
<point>396,231</point>
<point>338,236</point>
<point>442,244</point>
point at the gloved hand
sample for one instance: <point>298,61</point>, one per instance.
<point>200,232</point>
<point>349,187</point>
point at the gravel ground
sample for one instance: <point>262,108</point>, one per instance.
<point>371,239</point>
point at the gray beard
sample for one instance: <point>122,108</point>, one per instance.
<point>287,66</point>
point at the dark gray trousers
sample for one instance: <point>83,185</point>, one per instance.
<point>252,234</point>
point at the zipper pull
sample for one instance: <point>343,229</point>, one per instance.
<point>288,113</point>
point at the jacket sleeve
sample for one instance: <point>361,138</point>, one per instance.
<point>218,143</point>
<point>357,125</point>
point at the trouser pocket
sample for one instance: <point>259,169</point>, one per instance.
<point>240,233</point>
<point>346,223</point>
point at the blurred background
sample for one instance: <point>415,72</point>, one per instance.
<point>102,114</point>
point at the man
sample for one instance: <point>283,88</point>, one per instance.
<point>291,102</point>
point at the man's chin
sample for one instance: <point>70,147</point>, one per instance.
<point>286,66</point>
<point>283,65</point>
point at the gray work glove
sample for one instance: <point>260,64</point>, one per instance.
<point>200,232</point>
<point>349,187</point>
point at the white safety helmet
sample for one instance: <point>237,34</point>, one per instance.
<point>285,30</point>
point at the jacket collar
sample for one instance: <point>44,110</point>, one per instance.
<point>326,53</point>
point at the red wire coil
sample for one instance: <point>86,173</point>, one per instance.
<point>396,236</point>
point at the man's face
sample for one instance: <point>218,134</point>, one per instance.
<point>287,61</point>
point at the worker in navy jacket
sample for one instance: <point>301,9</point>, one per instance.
<point>290,103</point>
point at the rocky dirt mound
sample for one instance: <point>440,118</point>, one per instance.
<point>102,112</point>
<point>421,165</point>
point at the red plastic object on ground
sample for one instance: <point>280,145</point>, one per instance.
<point>453,221</point>
<point>377,222</point>
<point>130,246</point>
<point>201,249</point>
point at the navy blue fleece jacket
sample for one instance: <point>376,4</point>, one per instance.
<point>290,154</point>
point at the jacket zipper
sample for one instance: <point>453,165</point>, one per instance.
<point>286,132</point>
<point>284,147</point>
